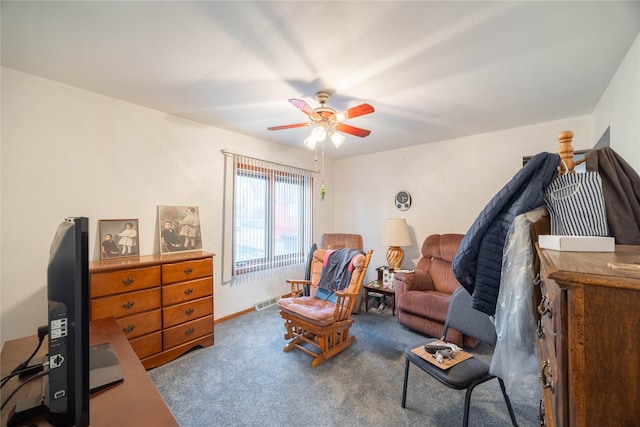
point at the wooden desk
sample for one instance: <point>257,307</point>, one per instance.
<point>133,402</point>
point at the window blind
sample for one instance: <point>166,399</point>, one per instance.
<point>268,215</point>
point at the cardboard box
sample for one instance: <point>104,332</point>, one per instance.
<point>577,243</point>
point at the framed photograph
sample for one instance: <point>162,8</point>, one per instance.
<point>179,229</point>
<point>119,238</point>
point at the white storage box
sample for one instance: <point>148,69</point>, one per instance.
<point>577,243</point>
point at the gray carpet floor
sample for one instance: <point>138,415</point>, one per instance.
<point>245,379</point>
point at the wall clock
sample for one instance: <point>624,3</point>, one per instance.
<point>403,200</point>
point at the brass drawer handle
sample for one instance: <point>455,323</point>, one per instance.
<point>545,307</point>
<point>188,331</point>
<point>189,312</point>
<point>188,271</point>
<point>128,329</point>
<point>545,377</point>
<point>540,329</point>
<point>537,280</point>
<point>188,291</point>
<point>127,305</point>
<point>541,414</point>
<point>129,280</point>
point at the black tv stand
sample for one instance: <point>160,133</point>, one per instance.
<point>27,408</point>
<point>104,372</point>
<point>104,367</point>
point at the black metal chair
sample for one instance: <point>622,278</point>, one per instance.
<point>468,373</point>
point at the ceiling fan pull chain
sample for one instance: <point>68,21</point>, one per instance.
<point>323,190</point>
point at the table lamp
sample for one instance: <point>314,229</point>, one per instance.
<point>396,234</point>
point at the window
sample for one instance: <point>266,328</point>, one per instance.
<point>271,216</point>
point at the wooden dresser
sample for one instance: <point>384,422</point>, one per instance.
<point>589,334</point>
<point>163,303</point>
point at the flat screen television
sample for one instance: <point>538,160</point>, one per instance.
<point>67,397</point>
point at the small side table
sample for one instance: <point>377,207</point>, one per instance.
<point>379,289</point>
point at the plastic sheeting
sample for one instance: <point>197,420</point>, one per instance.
<point>515,358</point>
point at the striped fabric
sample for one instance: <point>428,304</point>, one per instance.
<point>576,205</point>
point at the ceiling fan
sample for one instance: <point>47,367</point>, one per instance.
<point>327,121</point>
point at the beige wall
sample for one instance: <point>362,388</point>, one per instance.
<point>69,152</point>
<point>619,108</point>
<point>450,181</point>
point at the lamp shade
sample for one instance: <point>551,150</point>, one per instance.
<point>319,133</point>
<point>337,139</point>
<point>396,233</point>
<point>310,142</point>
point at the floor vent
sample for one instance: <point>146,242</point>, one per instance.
<point>266,303</point>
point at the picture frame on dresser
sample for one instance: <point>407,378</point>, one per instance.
<point>119,238</point>
<point>179,229</point>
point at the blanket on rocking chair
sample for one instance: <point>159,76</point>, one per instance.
<point>336,273</point>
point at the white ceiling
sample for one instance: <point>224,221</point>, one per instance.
<point>432,70</point>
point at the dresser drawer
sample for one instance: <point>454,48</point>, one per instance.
<point>157,297</point>
<point>552,404</point>
<point>548,378</point>
<point>546,327</point>
<point>116,282</point>
<point>147,345</point>
<point>553,360</point>
<point>187,331</point>
<point>187,311</point>
<point>186,270</point>
<point>140,324</point>
<point>125,304</point>
<point>186,291</point>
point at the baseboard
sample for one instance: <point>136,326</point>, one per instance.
<point>240,313</point>
<point>233,315</point>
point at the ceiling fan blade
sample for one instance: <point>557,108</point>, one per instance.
<point>359,110</point>
<point>352,130</point>
<point>304,107</point>
<point>297,125</point>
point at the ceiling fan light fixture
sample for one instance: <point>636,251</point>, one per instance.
<point>310,142</point>
<point>326,121</point>
<point>337,139</point>
<point>319,133</point>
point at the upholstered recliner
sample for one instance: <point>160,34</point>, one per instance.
<point>320,326</point>
<point>422,297</point>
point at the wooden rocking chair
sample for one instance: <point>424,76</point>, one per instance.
<point>317,326</point>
